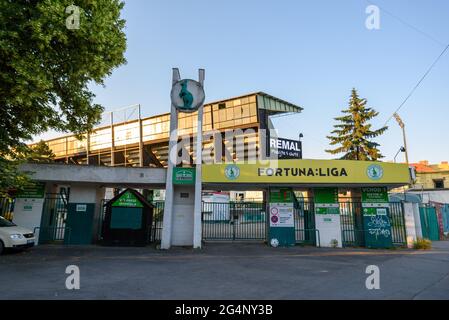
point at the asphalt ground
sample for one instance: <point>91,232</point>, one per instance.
<point>225,271</point>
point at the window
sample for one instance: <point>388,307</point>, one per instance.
<point>221,106</point>
<point>439,184</point>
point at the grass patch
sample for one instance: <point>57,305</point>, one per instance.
<point>422,244</point>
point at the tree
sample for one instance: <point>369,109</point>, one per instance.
<point>47,62</point>
<point>40,152</point>
<point>353,134</point>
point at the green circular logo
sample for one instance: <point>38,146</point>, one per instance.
<point>232,172</point>
<point>375,172</point>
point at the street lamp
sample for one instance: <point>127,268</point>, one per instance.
<point>402,149</point>
<point>402,125</point>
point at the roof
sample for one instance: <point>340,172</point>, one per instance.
<point>266,101</point>
<point>139,197</point>
<point>425,167</point>
<point>269,102</point>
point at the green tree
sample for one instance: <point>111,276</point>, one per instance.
<point>40,152</point>
<point>353,134</point>
<point>47,62</point>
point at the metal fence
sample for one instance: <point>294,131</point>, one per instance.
<point>352,224</point>
<point>54,216</point>
<point>234,221</point>
<point>305,232</point>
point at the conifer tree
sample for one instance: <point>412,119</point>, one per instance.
<point>353,134</point>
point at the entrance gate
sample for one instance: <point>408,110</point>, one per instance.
<point>305,232</point>
<point>234,221</point>
<point>352,227</point>
<point>54,216</point>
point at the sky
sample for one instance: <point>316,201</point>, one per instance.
<point>310,53</point>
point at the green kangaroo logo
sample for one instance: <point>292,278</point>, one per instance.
<point>186,96</point>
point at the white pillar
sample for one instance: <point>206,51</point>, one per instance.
<point>197,228</point>
<point>410,223</point>
<point>168,207</point>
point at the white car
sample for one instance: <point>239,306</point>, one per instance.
<point>14,237</point>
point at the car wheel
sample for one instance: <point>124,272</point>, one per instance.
<point>2,247</point>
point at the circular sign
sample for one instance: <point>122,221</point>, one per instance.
<point>375,172</point>
<point>274,219</point>
<point>187,95</point>
<point>274,211</point>
<point>232,172</point>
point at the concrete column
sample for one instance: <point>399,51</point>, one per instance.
<point>411,223</point>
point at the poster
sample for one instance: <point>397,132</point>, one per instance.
<point>281,215</point>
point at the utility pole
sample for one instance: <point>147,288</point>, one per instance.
<point>402,125</point>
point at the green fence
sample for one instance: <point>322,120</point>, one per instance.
<point>54,216</point>
<point>351,220</point>
<point>429,223</point>
<point>305,232</point>
<point>234,221</point>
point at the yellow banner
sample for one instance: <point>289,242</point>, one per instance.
<point>308,171</point>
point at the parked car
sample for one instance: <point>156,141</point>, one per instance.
<point>14,237</point>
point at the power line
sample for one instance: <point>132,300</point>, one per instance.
<point>418,84</point>
<point>408,24</point>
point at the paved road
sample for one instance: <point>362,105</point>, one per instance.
<point>225,271</point>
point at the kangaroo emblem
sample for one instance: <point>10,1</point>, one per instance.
<point>186,96</point>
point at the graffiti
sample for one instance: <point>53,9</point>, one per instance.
<point>379,232</point>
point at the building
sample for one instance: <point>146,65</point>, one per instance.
<point>144,142</point>
<point>431,176</point>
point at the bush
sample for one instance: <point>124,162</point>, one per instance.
<point>422,244</point>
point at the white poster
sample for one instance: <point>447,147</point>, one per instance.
<point>281,215</point>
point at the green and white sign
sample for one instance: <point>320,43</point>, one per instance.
<point>374,196</point>
<point>36,191</point>
<point>326,201</point>
<point>128,200</point>
<point>184,176</point>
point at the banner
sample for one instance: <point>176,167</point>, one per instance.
<point>308,172</point>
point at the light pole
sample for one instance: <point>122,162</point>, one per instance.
<point>402,125</point>
<point>402,149</point>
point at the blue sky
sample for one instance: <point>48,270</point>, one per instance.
<point>307,52</point>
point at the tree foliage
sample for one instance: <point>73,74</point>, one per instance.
<point>46,68</point>
<point>353,134</point>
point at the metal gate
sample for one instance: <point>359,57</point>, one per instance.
<point>234,221</point>
<point>305,232</point>
<point>352,227</point>
<point>53,224</point>
<point>429,223</point>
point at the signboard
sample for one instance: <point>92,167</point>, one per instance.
<point>187,95</point>
<point>36,191</point>
<point>184,176</point>
<point>281,195</point>
<point>326,201</point>
<point>128,200</point>
<point>285,148</point>
<point>281,215</point>
<point>308,171</point>
<point>81,208</point>
<point>374,196</point>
